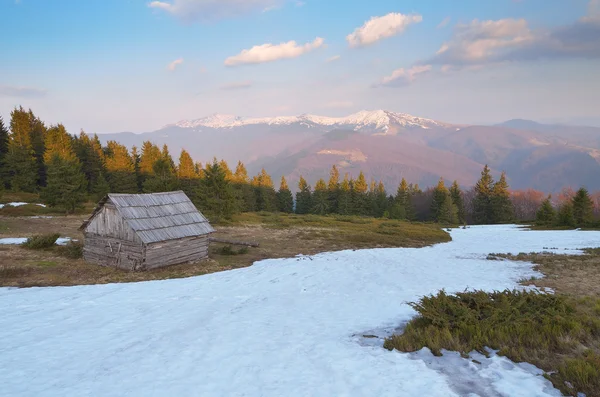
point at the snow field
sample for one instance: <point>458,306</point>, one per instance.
<point>284,327</point>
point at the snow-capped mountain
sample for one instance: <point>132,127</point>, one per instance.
<point>376,120</point>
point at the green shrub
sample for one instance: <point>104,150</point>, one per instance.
<point>229,250</point>
<point>71,250</point>
<point>546,330</point>
<point>42,241</point>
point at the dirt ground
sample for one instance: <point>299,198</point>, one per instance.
<point>20,267</point>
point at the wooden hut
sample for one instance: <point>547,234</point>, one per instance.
<point>145,231</point>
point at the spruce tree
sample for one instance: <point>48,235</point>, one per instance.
<point>66,185</point>
<point>402,207</point>
<point>565,215</point>
<point>90,155</point>
<point>457,199</point>
<point>20,160</point>
<point>284,197</point>
<point>266,197</point>
<point>303,197</point>
<point>360,202</point>
<point>333,188</point>
<point>135,155</point>
<point>380,201</point>
<point>163,178</point>
<point>120,168</point>
<point>3,153</point>
<point>150,154</point>
<point>344,202</point>
<point>545,215</point>
<point>38,139</point>
<point>215,194</point>
<point>225,167</point>
<point>448,212</point>
<point>501,205</point>
<point>583,207</point>
<point>320,198</point>
<point>440,193</point>
<point>245,193</point>
<point>482,202</point>
<point>166,156</point>
<point>187,177</point>
<point>101,188</point>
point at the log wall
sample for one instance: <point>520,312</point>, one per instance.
<point>113,252</point>
<point>175,252</point>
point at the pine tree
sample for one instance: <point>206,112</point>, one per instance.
<point>303,197</point>
<point>457,199</point>
<point>284,197</point>
<point>137,159</point>
<point>333,188</point>
<point>502,206</point>
<point>225,167</point>
<point>3,153</point>
<point>583,207</point>
<point>320,200</point>
<point>166,156</point>
<point>440,194</point>
<point>21,162</point>
<point>120,168</point>
<point>187,176</point>
<point>545,215</point>
<point>344,202</point>
<point>482,202</point>
<point>215,194</point>
<point>58,142</point>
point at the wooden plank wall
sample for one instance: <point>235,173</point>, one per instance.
<point>108,222</point>
<point>174,252</point>
<point>113,252</point>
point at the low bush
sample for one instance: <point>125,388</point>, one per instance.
<point>549,331</point>
<point>71,250</point>
<point>42,241</point>
<point>229,250</point>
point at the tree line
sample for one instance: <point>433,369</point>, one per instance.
<point>68,170</point>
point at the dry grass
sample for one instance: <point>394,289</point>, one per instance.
<point>279,236</point>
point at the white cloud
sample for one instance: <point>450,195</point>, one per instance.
<point>173,65</point>
<point>272,52</point>
<point>206,10</point>
<point>401,77</point>
<point>240,85</point>
<point>444,23</point>
<point>379,28</point>
<point>484,42</point>
<point>334,58</point>
<point>21,92</point>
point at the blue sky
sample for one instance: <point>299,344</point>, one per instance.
<point>133,65</point>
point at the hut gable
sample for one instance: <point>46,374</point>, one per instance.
<point>151,217</point>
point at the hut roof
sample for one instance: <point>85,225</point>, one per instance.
<point>158,216</point>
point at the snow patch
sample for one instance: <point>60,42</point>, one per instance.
<point>282,327</point>
<point>21,240</point>
<point>19,204</point>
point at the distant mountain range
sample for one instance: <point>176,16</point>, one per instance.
<point>387,146</point>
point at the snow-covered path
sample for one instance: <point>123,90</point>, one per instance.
<point>279,328</point>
